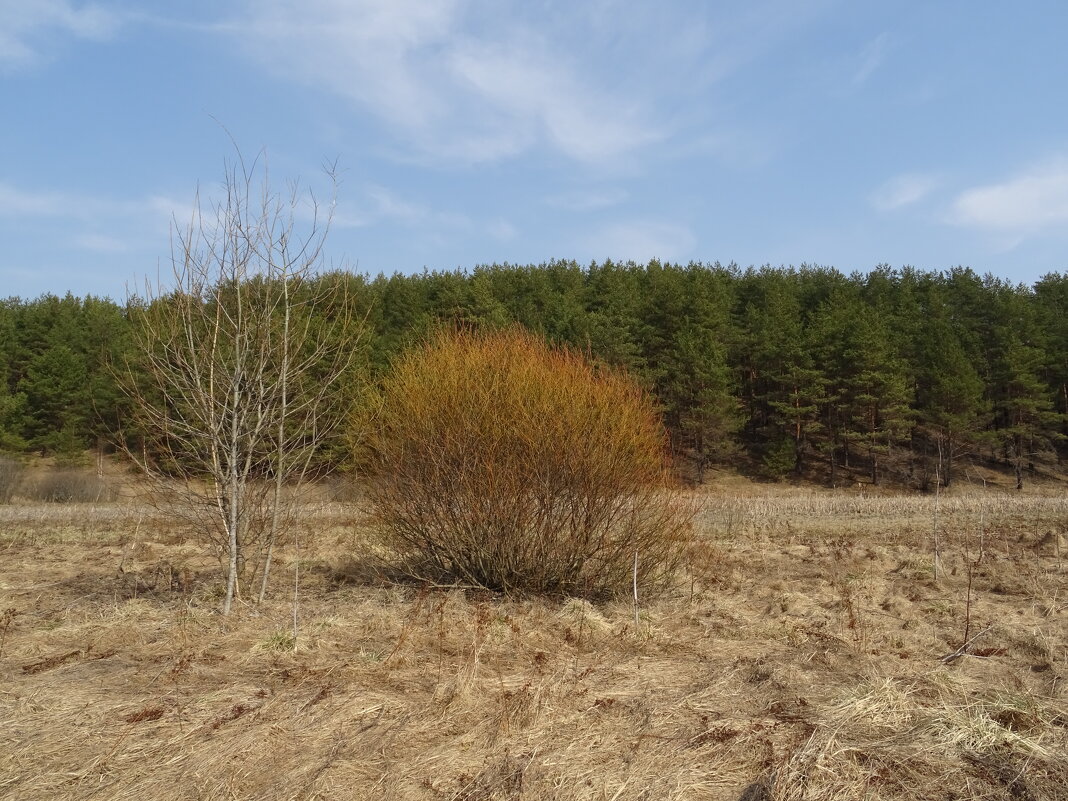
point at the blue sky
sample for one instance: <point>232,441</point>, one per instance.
<point>844,134</point>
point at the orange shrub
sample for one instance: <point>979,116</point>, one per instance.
<point>498,460</point>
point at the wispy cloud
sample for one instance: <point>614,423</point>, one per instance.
<point>93,223</point>
<point>179,211</point>
<point>904,190</point>
<point>1032,201</point>
<point>389,205</point>
<point>21,203</point>
<point>376,204</point>
<point>28,26</point>
<point>502,230</point>
<point>101,243</point>
<point>472,81</point>
<point>536,95</point>
<point>641,240</point>
<point>16,202</point>
<point>871,58</point>
<point>588,200</point>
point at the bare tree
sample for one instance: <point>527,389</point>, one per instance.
<point>242,367</point>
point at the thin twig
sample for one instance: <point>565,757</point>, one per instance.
<point>636,624</point>
<point>964,648</point>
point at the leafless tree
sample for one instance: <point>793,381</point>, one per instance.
<point>242,368</point>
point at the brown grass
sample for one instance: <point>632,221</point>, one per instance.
<point>799,650</point>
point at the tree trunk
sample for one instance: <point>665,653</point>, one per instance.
<point>235,488</point>
<point>1064,394</point>
<point>279,451</point>
<point>948,466</point>
<point>699,448</point>
<point>1017,461</point>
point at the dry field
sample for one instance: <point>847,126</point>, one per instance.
<point>803,655</point>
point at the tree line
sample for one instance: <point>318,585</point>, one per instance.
<point>901,375</point>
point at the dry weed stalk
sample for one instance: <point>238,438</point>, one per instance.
<point>6,619</point>
<point>934,524</point>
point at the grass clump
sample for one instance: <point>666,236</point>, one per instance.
<point>11,471</point>
<point>501,461</point>
<point>279,642</point>
<point>70,485</point>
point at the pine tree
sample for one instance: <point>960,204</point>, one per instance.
<point>1051,301</point>
<point>687,324</point>
<point>1024,417</point>
<point>57,399</point>
<point>868,393</point>
<point>950,404</point>
<point>612,325</point>
<point>784,387</point>
<point>10,402</point>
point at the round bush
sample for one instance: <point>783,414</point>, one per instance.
<point>72,486</point>
<point>500,461</point>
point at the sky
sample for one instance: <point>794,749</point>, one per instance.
<point>824,132</point>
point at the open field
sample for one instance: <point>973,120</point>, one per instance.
<point>800,657</point>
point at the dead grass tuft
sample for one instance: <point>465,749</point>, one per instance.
<point>926,737</point>
<point>11,476</point>
<point>68,485</point>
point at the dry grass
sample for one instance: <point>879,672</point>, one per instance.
<point>800,652</point>
<point>70,485</point>
<point>11,471</point>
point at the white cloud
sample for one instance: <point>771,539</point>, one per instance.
<point>535,91</point>
<point>589,200</point>
<point>871,58</point>
<point>641,241</point>
<point>467,81</point>
<point>904,190</point>
<point>84,216</point>
<point>101,243</point>
<point>15,202</point>
<point>24,24</point>
<point>375,204</point>
<point>476,81</point>
<point>1030,202</point>
<point>502,230</point>
<point>389,205</point>
<point>20,203</point>
<point>177,212</point>
<point>365,50</point>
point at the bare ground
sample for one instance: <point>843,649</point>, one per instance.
<point>800,657</point>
